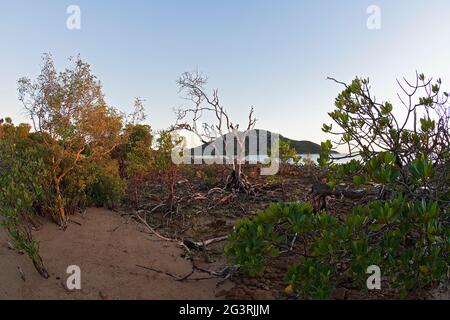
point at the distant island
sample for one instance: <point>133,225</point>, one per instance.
<point>302,146</point>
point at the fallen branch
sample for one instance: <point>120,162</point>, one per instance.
<point>225,273</point>
<point>153,231</point>
<point>201,245</point>
<point>199,197</point>
<point>154,208</point>
<point>75,222</point>
<point>216,189</point>
<point>176,277</point>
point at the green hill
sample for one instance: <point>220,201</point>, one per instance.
<point>302,147</point>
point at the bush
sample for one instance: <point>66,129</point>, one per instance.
<point>409,241</point>
<point>405,232</point>
<point>107,189</point>
<point>407,153</point>
<point>22,184</point>
<point>286,153</point>
<point>26,187</point>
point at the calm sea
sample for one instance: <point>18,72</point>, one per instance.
<point>313,157</point>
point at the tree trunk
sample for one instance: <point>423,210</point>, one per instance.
<point>171,189</point>
<point>237,181</point>
<point>60,203</point>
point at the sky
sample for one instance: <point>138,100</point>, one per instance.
<point>274,55</point>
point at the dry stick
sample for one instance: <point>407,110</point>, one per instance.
<point>225,273</point>
<point>293,242</point>
<point>160,236</point>
<point>216,189</point>
<point>241,207</point>
<point>155,208</point>
<point>10,246</point>
<point>178,278</point>
<point>202,244</point>
<point>76,222</point>
<point>22,275</point>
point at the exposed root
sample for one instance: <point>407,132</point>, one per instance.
<point>238,182</point>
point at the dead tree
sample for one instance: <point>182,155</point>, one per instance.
<point>207,118</point>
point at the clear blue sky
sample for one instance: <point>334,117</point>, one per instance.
<point>273,54</point>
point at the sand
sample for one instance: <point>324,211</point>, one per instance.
<point>107,249</point>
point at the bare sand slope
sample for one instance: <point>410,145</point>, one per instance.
<point>107,256</point>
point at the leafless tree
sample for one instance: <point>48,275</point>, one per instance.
<point>207,118</point>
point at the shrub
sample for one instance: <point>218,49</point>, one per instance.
<point>135,157</point>
<point>405,232</point>
<point>409,241</point>
<point>407,153</point>
<point>107,189</point>
<point>69,112</point>
<point>22,184</point>
<point>287,153</point>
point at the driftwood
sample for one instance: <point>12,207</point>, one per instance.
<point>201,245</point>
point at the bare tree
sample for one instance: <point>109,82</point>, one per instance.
<point>196,119</point>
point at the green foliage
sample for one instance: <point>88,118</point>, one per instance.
<point>135,153</point>
<point>421,170</point>
<point>403,151</point>
<point>106,189</point>
<point>135,158</point>
<point>312,279</point>
<point>287,153</point>
<point>22,184</point>
<point>253,239</point>
<point>166,142</point>
<point>69,112</point>
<point>352,170</point>
<point>324,158</point>
<point>407,237</point>
<point>409,241</point>
<point>382,169</point>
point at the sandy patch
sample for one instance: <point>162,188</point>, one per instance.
<point>107,249</point>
